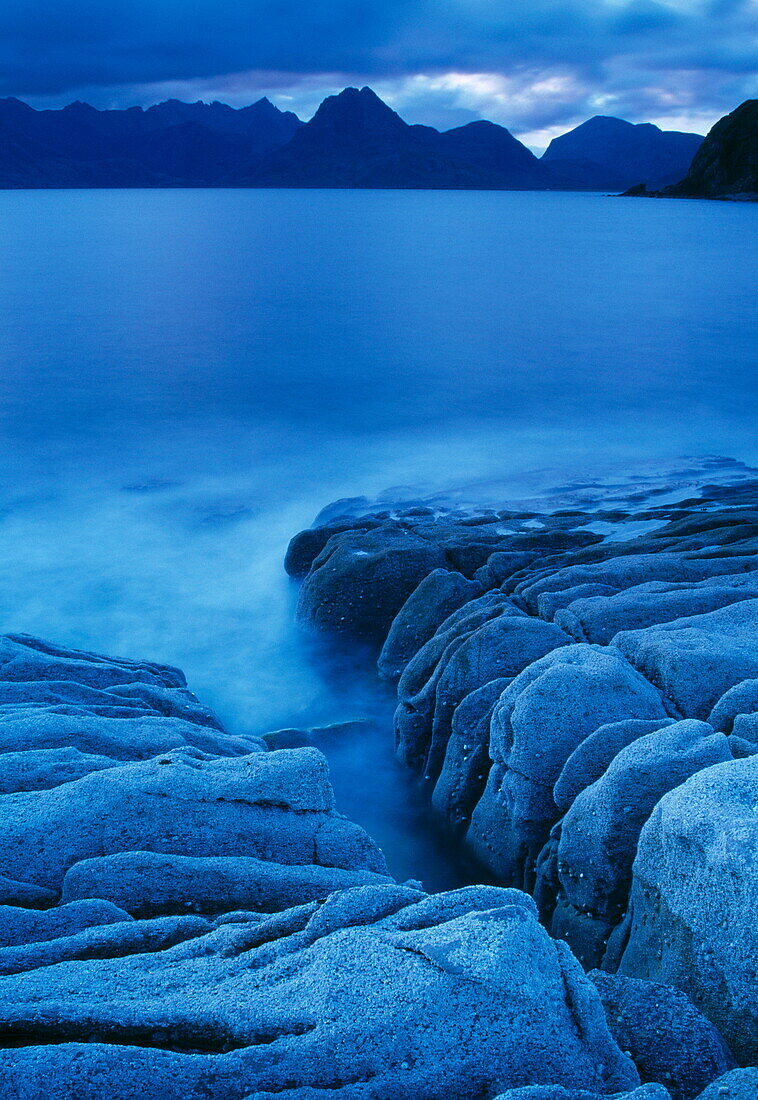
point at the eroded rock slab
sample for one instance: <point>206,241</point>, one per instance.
<point>276,806</point>
<point>379,992</point>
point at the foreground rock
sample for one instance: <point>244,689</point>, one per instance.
<point>694,897</point>
<point>466,992</point>
<point>103,757</point>
<point>274,806</point>
<point>185,914</point>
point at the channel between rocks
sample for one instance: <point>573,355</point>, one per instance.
<point>185,913</point>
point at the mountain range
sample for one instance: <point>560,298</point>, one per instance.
<point>353,140</point>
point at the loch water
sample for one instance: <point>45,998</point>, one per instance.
<point>188,377</point>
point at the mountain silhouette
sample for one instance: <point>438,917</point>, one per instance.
<point>353,140</point>
<point>608,153</point>
<point>173,144</point>
<point>356,140</point>
<point>726,165</point>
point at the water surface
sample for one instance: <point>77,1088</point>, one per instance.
<point>187,377</point>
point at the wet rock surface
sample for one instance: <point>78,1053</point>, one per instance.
<point>613,775</point>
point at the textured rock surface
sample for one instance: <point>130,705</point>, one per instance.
<point>467,992</point>
<point>696,660</point>
<point>185,914</point>
<point>598,618</point>
<point>149,883</point>
<point>742,699</point>
<point>591,757</point>
<point>360,580</point>
<point>276,806</point>
<point>179,922</point>
<point>739,1084</point>
<point>417,689</point>
<point>467,762</point>
<point>440,593</point>
<point>551,768</point>
<point>694,897</point>
<point>24,926</point>
<point>538,722</point>
<point>599,834</point>
<point>499,649</point>
<point>558,1092</point>
<point>670,1042</point>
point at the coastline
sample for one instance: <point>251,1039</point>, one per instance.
<point>572,697</point>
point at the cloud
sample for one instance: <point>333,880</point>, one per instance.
<point>533,65</point>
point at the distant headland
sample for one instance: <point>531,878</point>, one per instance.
<point>354,140</point>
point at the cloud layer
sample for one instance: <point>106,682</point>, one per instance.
<point>534,65</point>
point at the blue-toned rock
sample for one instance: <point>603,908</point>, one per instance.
<point>378,992</point>
<point>669,1041</point>
<point>557,1092</point>
<point>742,699</point>
<point>499,649</point>
<point>695,660</point>
<point>360,580</point>
<point>441,593</point>
<point>118,738</point>
<point>276,806</point>
<point>539,721</point>
<point>694,898</point>
<point>627,570</point>
<point>599,618</point>
<point>23,926</point>
<point>591,757</point>
<point>600,831</point>
<point>40,769</point>
<point>152,883</point>
<point>467,761</point>
<point>417,689</point>
<point>738,1084</point>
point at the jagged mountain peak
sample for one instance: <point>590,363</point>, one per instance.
<point>357,107</point>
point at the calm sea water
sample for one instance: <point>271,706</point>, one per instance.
<point>187,377</point>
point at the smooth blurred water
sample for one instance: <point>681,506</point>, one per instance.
<point>187,377</point>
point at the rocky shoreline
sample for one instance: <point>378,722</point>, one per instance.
<point>185,914</point>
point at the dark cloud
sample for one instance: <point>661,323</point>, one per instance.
<point>635,54</point>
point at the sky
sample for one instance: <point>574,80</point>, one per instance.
<point>538,67</point>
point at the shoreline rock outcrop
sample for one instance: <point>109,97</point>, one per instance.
<point>612,775</point>
<point>184,914</point>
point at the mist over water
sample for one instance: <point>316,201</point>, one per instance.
<point>188,377</point>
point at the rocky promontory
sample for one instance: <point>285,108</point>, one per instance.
<point>186,914</point>
<point>726,164</point>
<point>580,702</point>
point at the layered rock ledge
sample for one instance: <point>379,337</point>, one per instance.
<point>580,702</point>
<point>185,914</point>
